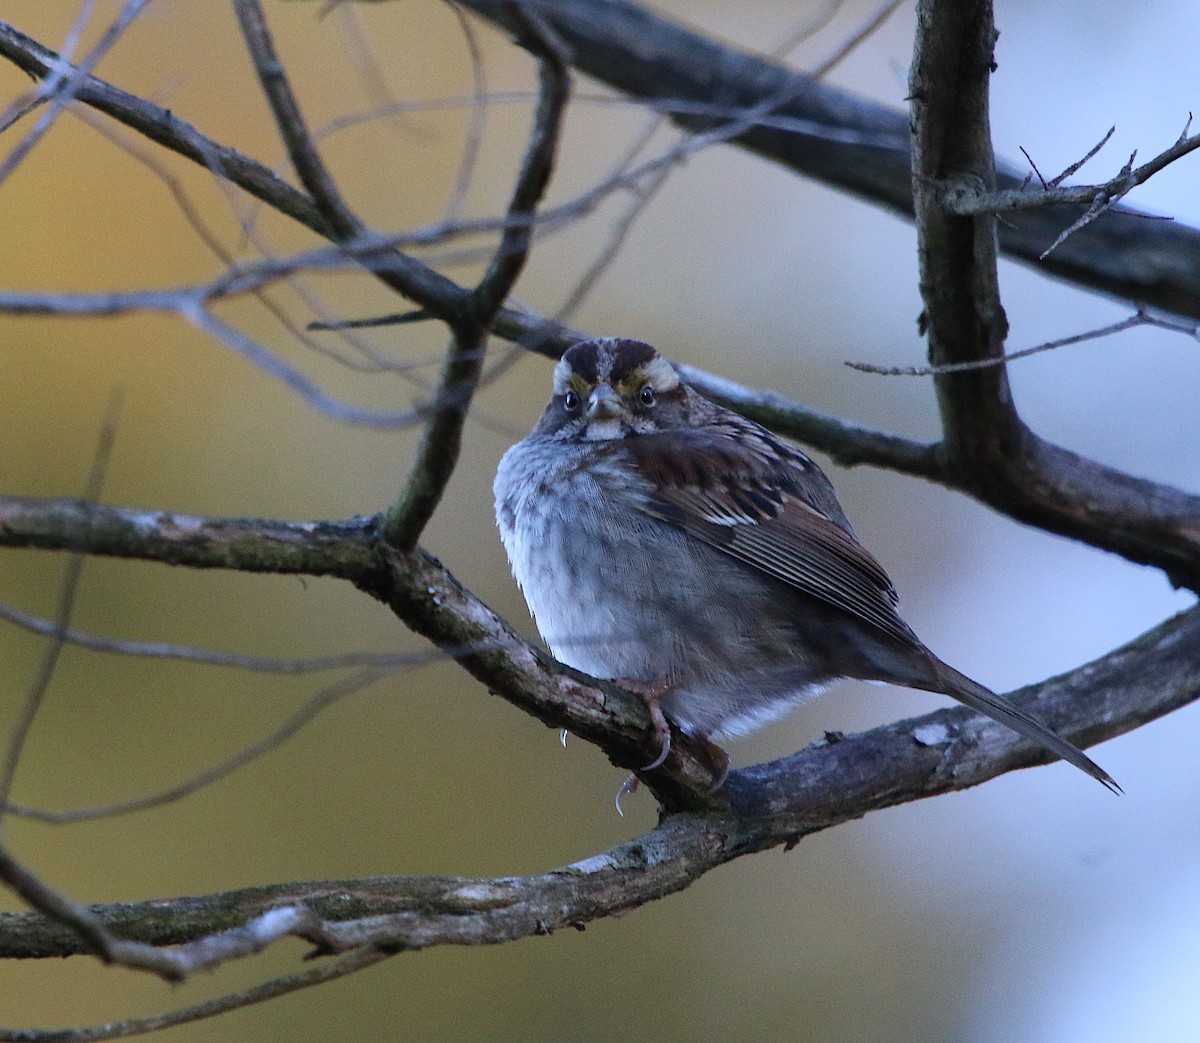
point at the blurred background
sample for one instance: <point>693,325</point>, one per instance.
<point>1037,907</point>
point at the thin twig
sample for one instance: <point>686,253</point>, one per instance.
<point>1139,318</point>
<point>64,82</point>
<point>477,117</point>
<point>268,990</point>
<point>1102,203</point>
<point>855,39</point>
<point>296,381</point>
<point>438,453</point>
<point>1075,167</point>
<point>1033,165</point>
<point>247,755</point>
<point>306,160</point>
<point>968,199</point>
<point>210,657</point>
<point>368,67</point>
<point>68,593</point>
<point>642,192</point>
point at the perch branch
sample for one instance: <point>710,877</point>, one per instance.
<point>768,805</point>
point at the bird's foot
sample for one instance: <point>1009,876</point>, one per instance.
<point>651,693</point>
<point>628,787</point>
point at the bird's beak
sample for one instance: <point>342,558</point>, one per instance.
<point>604,404</point>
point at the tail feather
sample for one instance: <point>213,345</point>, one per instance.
<point>974,695</point>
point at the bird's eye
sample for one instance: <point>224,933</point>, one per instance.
<point>647,395</point>
<point>571,402</point>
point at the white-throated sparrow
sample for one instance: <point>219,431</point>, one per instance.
<point>672,545</point>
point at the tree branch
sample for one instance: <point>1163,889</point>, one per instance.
<point>767,805</point>
<point>438,453</point>
<point>422,593</point>
<point>966,198</point>
<point>1144,522</point>
<point>281,986</point>
<point>854,145</point>
<point>959,282</point>
<point>821,132</point>
<point>987,449</point>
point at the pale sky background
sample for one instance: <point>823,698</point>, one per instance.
<point>1035,908</point>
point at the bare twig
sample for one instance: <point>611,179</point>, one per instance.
<point>369,69</point>
<point>477,118</point>
<point>68,592</point>
<point>64,82</point>
<point>248,754</point>
<point>1102,203</point>
<point>1034,168</point>
<point>1075,167</point>
<point>642,192</point>
<point>438,453</point>
<point>967,199</point>
<point>289,120</point>
<point>330,970</point>
<point>392,661</point>
<point>855,39</point>
<point>807,26</point>
<point>288,375</point>
<point>1139,318</point>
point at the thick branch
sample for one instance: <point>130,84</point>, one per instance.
<point>854,145</point>
<point>246,545</point>
<point>416,587</point>
<point>431,601</point>
<point>817,130</point>
<point>957,255</point>
<point>769,805</point>
<point>986,448</point>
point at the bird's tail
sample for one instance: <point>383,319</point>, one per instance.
<point>959,686</point>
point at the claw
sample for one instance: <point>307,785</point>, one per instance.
<point>651,694</point>
<point>664,752</point>
<point>629,786</point>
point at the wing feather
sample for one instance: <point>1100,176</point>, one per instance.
<point>763,502</point>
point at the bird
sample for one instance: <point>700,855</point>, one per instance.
<point>688,554</point>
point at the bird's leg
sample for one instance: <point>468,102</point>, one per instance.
<point>651,693</point>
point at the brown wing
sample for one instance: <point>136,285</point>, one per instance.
<point>766,504</point>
